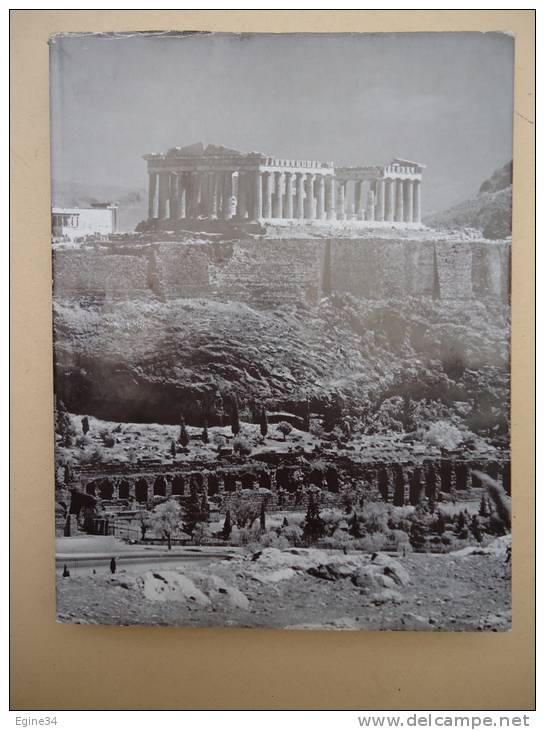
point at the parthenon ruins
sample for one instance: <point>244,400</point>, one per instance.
<point>192,183</point>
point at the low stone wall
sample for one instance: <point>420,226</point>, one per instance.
<point>267,272</point>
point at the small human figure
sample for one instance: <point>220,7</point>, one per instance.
<point>508,554</point>
<point>65,572</point>
<point>113,565</point>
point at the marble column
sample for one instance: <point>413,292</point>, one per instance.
<point>359,200</point>
<point>182,199</point>
<point>380,209</point>
<point>164,181</point>
<point>227,196</point>
<point>320,198</point>
<point>242,196</point>
<point>213,199</point>
<point>174,197</point>
<point>390,198</point>
<point>399,200</point>
<point>309,199</point>
<point>288,205</point>
<point>300,195</point>
<point>416,201</point>
<point>257,197</point>
<point>192,195</point>
<point>370,212</point>
<point>330,205</point>
<point>277,200</point>
<point>268,181</point>
<point>152,193</point>
<point>341,190</point>
<point>408,201</point>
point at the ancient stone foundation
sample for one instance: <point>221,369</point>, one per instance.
<point>264,272</point>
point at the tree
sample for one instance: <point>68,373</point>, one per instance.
<point>63,424</point>
<point>68,473</point>
<point>264,423</point>
<point>484,508</point>
<point>173,448</point>
<point>354,526</point>
<point>85,425</point>
<point>460,529</point>
<point>285,428</point>
<point>440,525</point>
<point>227,526</point>
<point>193,512</point>
<point>235,422</point>
<point>314,525</point>
<point>417,536</point>
<point>166,520</point>
<point>184,436</point>
<point>144,526</point>
<point>241,446</point>
<point>475,528</point>
<point>204,434</point>
<point>262,517</point>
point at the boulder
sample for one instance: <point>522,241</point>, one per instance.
<point>218,590</point>
<point>171,586</point>
<point>372,579</point>
<point>392,568</point>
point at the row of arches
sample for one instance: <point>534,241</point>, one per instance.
<point>447,475</point>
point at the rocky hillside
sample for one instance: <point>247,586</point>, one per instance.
<point>378,361</point>
<point>489,211</point>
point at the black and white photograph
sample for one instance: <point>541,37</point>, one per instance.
<point>281,329</point>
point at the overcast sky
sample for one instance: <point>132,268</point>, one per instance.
<point>443,99</point>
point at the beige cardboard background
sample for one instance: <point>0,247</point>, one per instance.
<point>92,667</point>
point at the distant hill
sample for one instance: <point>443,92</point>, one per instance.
<point>488,211</point>
<point>132,201</point>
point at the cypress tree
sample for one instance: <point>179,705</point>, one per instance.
<point>173,448</point>
<point>227,526</point>
<point>484,508</point>
<point>264,423</point>
<point>475,529</point>
<point>354,527</point>
<point>262,517</point>
<point>235,422</point>
<point>313,527</point>
<point>204,434</point>
<point>184,436</point>
<point>85,425</point>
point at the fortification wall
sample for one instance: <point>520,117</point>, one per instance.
<point>264,272</point>
<point>101,274</point>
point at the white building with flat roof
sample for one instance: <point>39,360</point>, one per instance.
<point>72,224</point>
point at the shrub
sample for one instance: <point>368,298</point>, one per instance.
<point>242,446</point>
<point>285,428</point>
<point>292,533</point>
